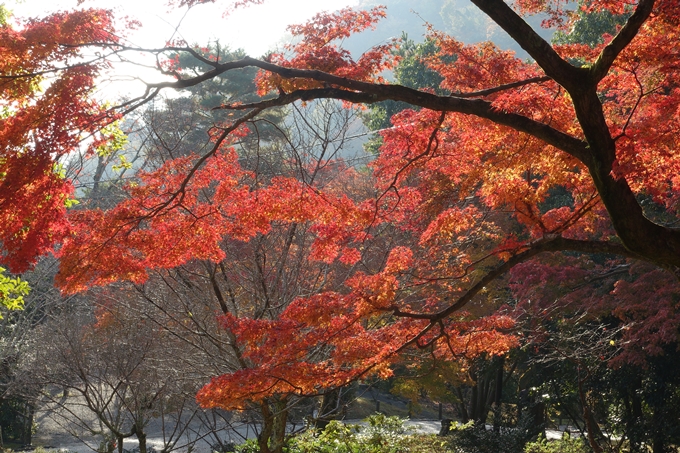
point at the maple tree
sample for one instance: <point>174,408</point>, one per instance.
<point>47,112</point>
<point>506,160</point>
<point>257,279</point>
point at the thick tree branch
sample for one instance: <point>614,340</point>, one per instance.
<point>218,69</point>
<point>540,50</point>
<point>368,93</point>
<point>621,40</point>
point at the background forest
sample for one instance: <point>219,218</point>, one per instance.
<point>465,220</point>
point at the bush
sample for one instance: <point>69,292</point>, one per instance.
<point>471,438</point>
<point>336,437</point>
<point>381,434</point>
<point>249,446</point>
<point>223,447</point>
<point>567,444</point>
<point>425,443</point>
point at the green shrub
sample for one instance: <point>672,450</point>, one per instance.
<point>249,446</point>
<point>336,437</point>
<point>471,438</point>
<point>567,444</point>
<point>381,434</point>
<point>424,443</point>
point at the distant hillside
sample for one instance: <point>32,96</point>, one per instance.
<point>459,18</point>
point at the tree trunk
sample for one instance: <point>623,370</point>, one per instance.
<point>473,402</point>
<point>278,440</point>
<point>272,438</point>
<point>267,427</point>
<point>27,428</point>
<point>329,408</point>
<point>498,395</point>
<point>658,420</point>
<point>482,396</point>
<point>591,425</point>
<point>141,435</point>
<point>483,400</point>
<point>633,406</point>
<point>465,417</point>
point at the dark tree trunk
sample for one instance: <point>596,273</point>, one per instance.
<point>633,407</point>
<point>473,403</point>
<point>272,438</point>
<point>592,427</point>
<point>329,408</point>
<point>267,428</point>
<point>465,417</point>
<point>141,435</point>
<point>278,440</point>
<point>498,395</point>
<point>659,421</point>
<point>27,428</point>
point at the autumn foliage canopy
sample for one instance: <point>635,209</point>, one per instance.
<point>573,150</point>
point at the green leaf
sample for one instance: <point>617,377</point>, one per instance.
<point>12,291</point>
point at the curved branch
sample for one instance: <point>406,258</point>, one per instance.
<point>368,93</point>
<point>547,244</point>
<point>177,196</point>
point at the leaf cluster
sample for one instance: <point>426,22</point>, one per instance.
<point>12,291</point>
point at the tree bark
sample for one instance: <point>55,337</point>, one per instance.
<point>27,431</point>
<point>329,408</point>
<point>591,425</point>
<point>272,438</point>
<point>498,395</point>
<point>278,440</point>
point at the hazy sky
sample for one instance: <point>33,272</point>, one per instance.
<point>255,29</point>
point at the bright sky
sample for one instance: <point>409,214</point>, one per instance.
<point>256,29</point>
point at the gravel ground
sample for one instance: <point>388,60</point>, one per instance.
<point>52,434</point>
